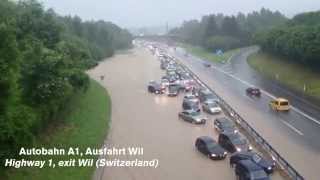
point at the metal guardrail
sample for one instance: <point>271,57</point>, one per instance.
<point>283,164</point>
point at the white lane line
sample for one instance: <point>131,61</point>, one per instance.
<point>265,92</point>
<point>268,94</point>
<point>293,128</point>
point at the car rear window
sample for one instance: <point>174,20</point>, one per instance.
<point>260,174</point>
<point>284,103</point>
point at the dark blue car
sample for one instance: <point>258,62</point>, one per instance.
<point>267,165</point>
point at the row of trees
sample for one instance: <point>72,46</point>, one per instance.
<point>298,40</point>
<point>217,31</point>
<point>43,57</point>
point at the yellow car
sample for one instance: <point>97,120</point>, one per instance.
<point>280,104</point>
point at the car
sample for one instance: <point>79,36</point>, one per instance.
<point>252,91</point>
<point>154,87</point>
<point>211,107</point>
<point>267,165</point>
<point>233,142</point>
<point>163,65</point>
<point>209,147</point>
<point>207,65</point>
<point>190,102</point>
<point>192,117</point>
<point>173,90</point>
<point>248,170</point>
<point>280,104</point>
<point>165,82</point>
<point>224,125</point>
<point>191,97</point>
<point>206,95</point>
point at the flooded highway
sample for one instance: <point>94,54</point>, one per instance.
<point>292,134</point>
<point>151,122</point>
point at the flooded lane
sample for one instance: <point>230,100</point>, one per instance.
<point>149,121</point>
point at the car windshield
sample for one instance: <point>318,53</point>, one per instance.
<point>212,145</point>
<point>211,104</point>
<point>195,113</point>
<point>284,103</point>
<point>256,158</point>
<point>237,140</point>
<point>173,87</point>
<point>210,96</point>
<point>227,124</point>
<point>258,174</point>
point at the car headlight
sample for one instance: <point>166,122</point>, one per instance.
<point>225,153</point>
<point>269,168</point>
<point>250,148</point>
<point>213,155</point>
<point>238,149</point>
<point>235,131</point>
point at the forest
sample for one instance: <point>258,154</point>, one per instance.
<point>218,31</point>
<point>43,58</point>
<point>298,40</point>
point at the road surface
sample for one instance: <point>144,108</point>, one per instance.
<point>293,134</point>
<point>150,121</point>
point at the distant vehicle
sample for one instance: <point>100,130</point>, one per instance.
<point>163,65</point>
<point>224,125</point>
<point>206,95</point>
<point>211,107</point>
<point>233,142</point>
<point>154,87</point>
<point>173,90</point>
<point>192,117</point>
<point>190,102</point>
<point>195,91</point>
<point>207,65</point>
<point>248,170</point>
<point>280,104</point>
<point>209,147</point>
<point>165,82</point>
<point>253,91</point>
<point>267,165</point>
<point>190,97</point>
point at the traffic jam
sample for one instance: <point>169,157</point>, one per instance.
<point>200,106</point>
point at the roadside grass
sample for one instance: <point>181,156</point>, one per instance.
<point>85,124</point>
<point>290,74</point>
<point>207,55</point>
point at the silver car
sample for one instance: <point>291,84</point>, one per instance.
<point>191,116</point>
<point>211,107</point>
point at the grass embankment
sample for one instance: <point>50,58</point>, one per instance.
<point>207,55</point>
<point>85,124</point>
<point>293,75</point>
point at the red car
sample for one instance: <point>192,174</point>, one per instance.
<point>253,91</point>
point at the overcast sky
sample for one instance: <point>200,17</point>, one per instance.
<point>140,13</point>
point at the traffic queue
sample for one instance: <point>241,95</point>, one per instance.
<point>198,101</point>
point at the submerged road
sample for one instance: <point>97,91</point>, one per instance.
<point>294,134</point>
<point>149,121</point>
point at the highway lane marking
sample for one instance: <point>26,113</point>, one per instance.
<point>293,128</point>
<point>265,92</point>
<point>268,94</point>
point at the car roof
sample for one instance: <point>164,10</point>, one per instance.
<point>244,153</point>
<point>223,119</point>
<point>232,135</point>
<point>250,165</point>
<point>282,100</point>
